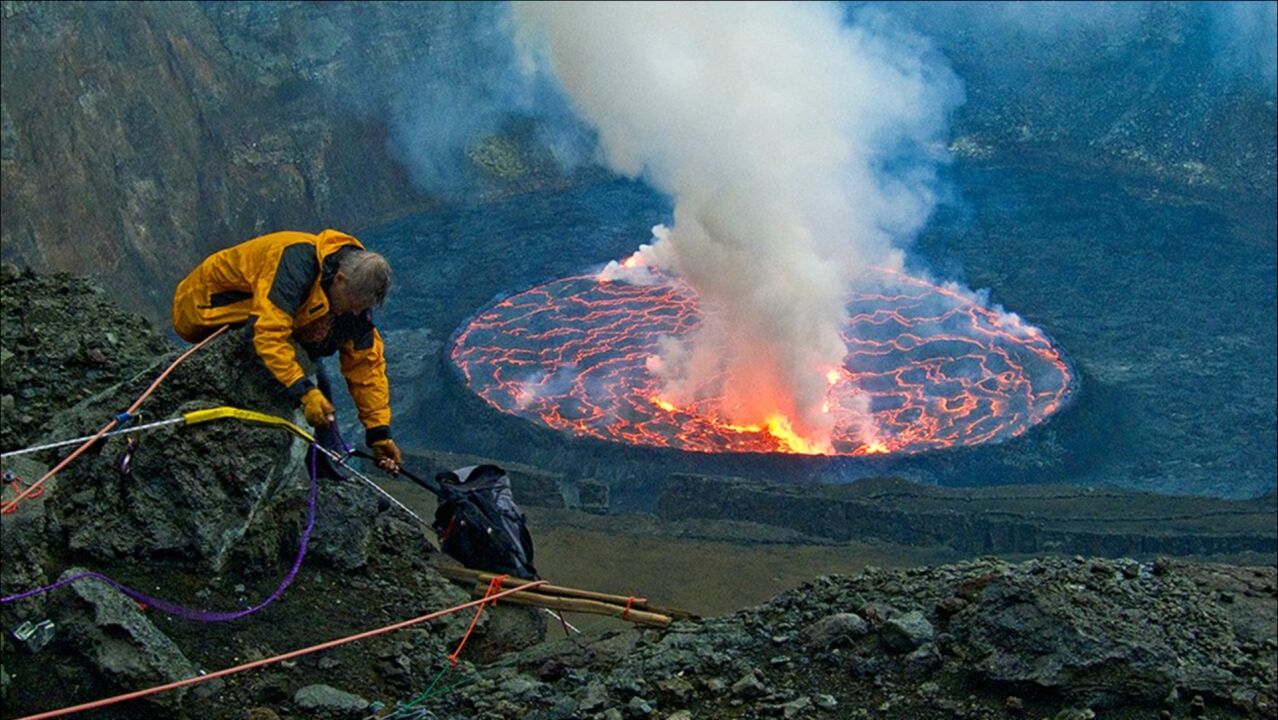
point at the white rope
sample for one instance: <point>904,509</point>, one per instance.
<point>64,443</point>
<point>161,423</point>
<point>560,617</point>
<point>342,461</point>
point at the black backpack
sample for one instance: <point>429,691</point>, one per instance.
<point>479,524</point>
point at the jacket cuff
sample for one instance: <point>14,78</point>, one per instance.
<point>299,388</point>
<point>377,434</point>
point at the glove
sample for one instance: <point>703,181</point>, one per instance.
<point>387,455</point>
<point>317,409</point>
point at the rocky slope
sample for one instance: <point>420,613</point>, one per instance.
<point>137,138</point>
<point>55,351</point>
<point>1064,638</point>
<point>211,516</point>
<point>1169,91</point>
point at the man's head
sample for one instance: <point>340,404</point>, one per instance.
<point>360,283</point>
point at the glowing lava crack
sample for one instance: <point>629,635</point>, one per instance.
<point>938,369</point>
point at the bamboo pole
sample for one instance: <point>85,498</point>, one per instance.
<point>457,572</point>
<point>593,607</point>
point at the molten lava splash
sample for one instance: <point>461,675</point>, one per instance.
<point>778,426</point>
<point>938,370</point>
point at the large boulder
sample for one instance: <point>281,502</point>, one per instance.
<point>120,642</point>
<point>354,525</point>
<point>326,701</point>
<point>193,491</point>
<point>1097,635</point>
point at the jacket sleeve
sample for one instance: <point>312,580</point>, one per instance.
<point>279,292</point>
<point>364,367</point>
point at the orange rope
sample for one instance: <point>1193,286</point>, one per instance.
<point>31,490</point>
<point>494,586</point>
<point>16,483</point>
<point>625,613</point>
<point>278,658</point>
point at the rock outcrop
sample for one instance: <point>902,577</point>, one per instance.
<point>137,138</point>
<point>111,630</point>
<point>1009,519</point>
<point>62,340</point>
<point>192,491</point>
<point>209,508</point>
<point>983,639</point>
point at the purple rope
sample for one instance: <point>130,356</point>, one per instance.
<point>207,616</point>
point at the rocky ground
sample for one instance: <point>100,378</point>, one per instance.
<point>45,318</point>
<point>211,517</point>
<point>1067,638</point>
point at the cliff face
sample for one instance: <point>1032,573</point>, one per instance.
<point>1171,92</point>
<point>137,137</point>
<point>1011,519</point>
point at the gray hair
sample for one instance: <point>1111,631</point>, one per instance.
<point>368,275</point>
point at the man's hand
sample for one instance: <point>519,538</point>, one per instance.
<point>387,455</point>
<point>317,409</point>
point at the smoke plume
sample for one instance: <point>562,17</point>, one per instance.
<point>799,148</point>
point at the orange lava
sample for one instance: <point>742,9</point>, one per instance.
<point>926,368</point>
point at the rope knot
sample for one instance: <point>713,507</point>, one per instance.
<point>494,587</point>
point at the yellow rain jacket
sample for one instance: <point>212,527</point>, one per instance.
<point>277,284</point>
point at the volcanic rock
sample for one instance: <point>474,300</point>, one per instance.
<point>206,508</point>
<point>192,491</point>
<point>749,687</point>
<point>1018,519</point>
<point>904,633</point>
<point>121,642</point>
<point>835,629</point>
<point>344,524</point>
<point>1138,637</point>
<point>326,701</point>
<point>594,697</point>
<point>1033,630</point>
<point>53,352</point>
<point>24,553</point>
<point>181,145</point>
<point>638,708</point>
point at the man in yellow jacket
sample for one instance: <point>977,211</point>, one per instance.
<point>317,290</point>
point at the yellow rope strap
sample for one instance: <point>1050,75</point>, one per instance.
<point>200,416</point>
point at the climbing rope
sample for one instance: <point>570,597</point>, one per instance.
<point>277,658</point>
<point>12,480</point>
<point>122,418</point>
<point>209,415</point>
<point>73,441</point>
<point>205,616</point>
<point>494,587</point>
<point>200,416</point>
